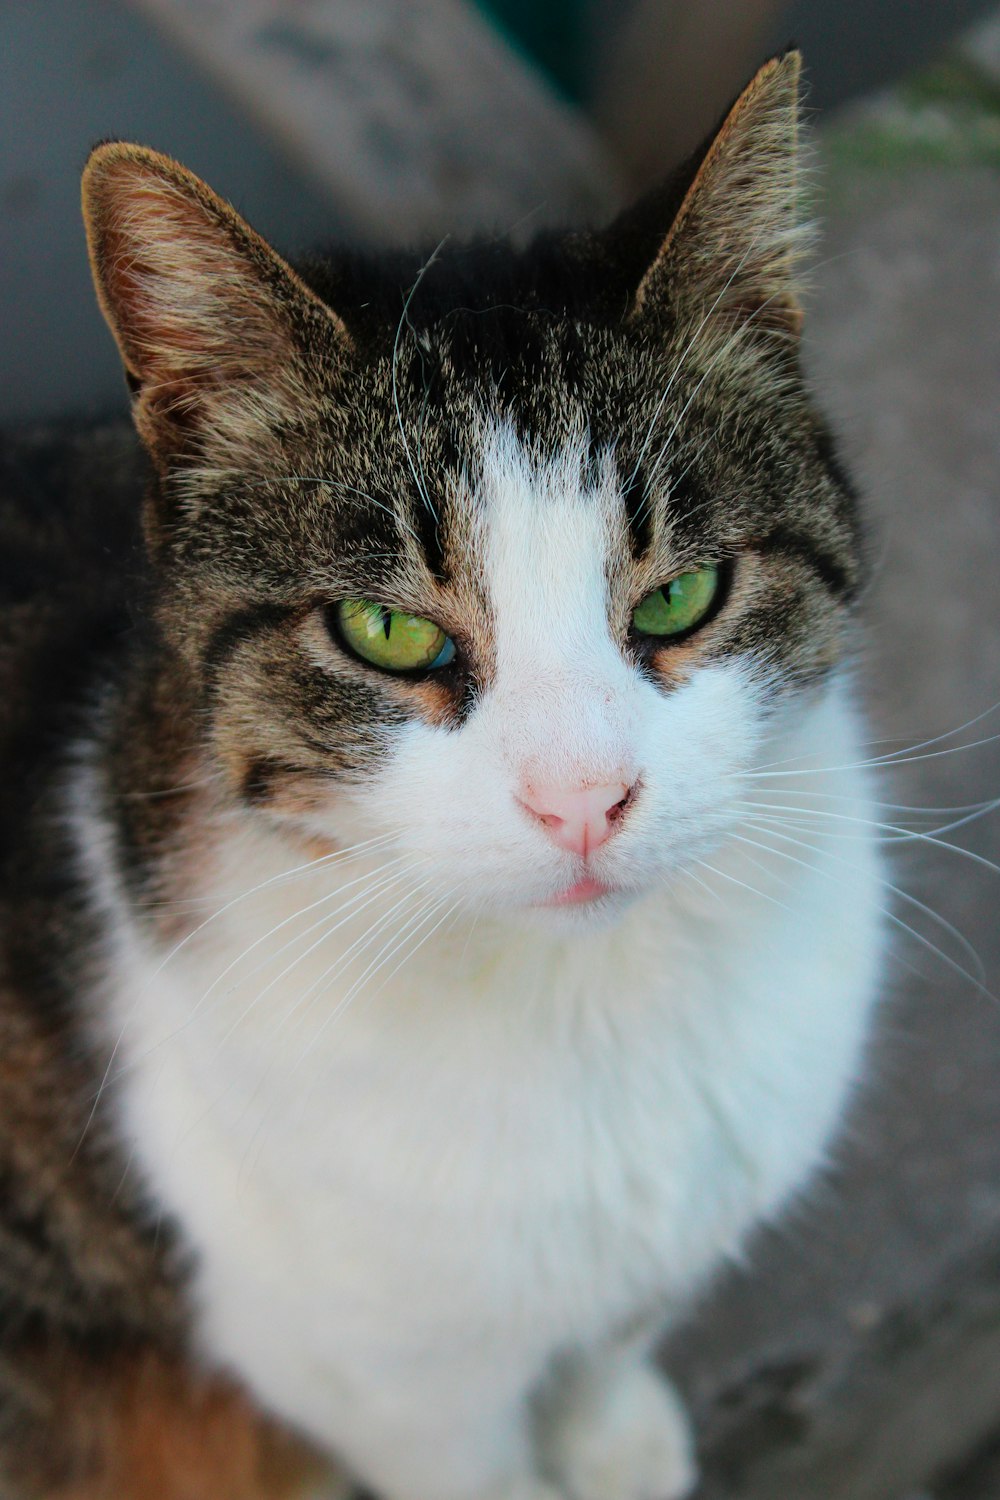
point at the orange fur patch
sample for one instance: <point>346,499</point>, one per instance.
<point>154,1431</point>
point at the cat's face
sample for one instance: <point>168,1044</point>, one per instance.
<point>510,556</point>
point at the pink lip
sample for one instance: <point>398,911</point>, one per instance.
<point>584,890</point>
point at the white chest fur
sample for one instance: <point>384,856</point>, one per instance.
<point>399,1190</point>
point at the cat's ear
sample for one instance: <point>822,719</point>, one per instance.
<point>731,251</point>
<point>213,327</point>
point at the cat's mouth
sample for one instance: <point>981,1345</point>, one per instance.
<point>583,891</point>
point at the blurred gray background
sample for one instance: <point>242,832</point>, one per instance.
<point>264,101</point>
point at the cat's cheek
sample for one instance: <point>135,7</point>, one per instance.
<point>698,741</point>
<point>445,797</point>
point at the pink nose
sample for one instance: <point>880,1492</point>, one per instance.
<point>578,818</point>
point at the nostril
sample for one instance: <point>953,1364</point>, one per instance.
<point>616,811</point>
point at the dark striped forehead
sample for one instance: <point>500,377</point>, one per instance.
<point>729,450</point>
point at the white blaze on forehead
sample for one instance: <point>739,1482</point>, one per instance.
<point>544,547</point>
<point>565,691</point>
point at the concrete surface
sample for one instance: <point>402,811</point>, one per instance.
<point>662,71</point>
<point>977,1480</point>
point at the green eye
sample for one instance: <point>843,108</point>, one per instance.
<point>391,639</point>
<point>678,605</point>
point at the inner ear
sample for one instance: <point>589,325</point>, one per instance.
<point>213,327</point>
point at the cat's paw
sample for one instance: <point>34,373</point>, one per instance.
<point>630,1440</point>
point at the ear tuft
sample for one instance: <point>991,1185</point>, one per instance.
<point>732,250</point>
<point>208,319</point>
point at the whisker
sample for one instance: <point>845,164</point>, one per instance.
<point>425,911</point>
<point>426,938</point>
<point>900,834</point>
<point>321,985</point>
<point>897,759</point>
<point>928,911</point>
<point>754,891</point>
<point>353,851</point>
<point>925,810</point>
<point>346,912</point>
<point>172,791</point>
<point>907,749</point>
<point>365,937</point>
<point>404,320</point>
<point>949,733</point>
<point>883,910</point>
<point>689,874</point>
<point>378,962</point>
<point>142,1057</point>
<point>295,916</point>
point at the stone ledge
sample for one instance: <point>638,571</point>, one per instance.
<point>865,1419</point>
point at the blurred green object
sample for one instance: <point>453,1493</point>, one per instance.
<point>550,33</point>
<point>948,115</point>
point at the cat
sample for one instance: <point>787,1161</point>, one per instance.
<point>404,1008</point>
